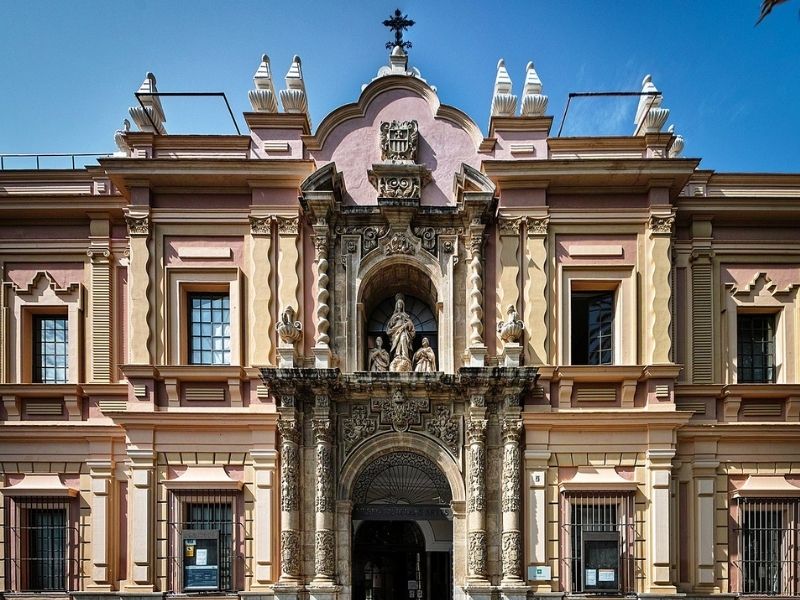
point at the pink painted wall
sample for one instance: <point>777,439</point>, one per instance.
<point>201,202</point>
<point>564,242</point>
<point>742,275</point>
<point>63,273</point>
<point>172,244</point>
<point>354,146</point>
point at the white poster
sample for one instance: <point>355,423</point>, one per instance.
<point>607,575</point>
<point>202,557</point>
<point>591,577</point>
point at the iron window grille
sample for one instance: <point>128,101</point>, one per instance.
<point>588,516</point>
<point>41,544</point>
<point>50,348</point>
<point>213,511</point>
<point>767,537</point>
<point>209,329</point>
<point>592,328</point>
<point>756,348</point>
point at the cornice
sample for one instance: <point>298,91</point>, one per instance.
<point>256,120</point>
<point>595,175</point>
<point>542,124</point>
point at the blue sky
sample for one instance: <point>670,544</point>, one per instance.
<point>69,69</point>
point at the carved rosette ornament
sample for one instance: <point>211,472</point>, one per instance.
<point>290,553</point>
<point>662,225</point>
<point>395,186</point>
<point>512,555</point>
<point>324,553</point>
<point>476,554</point>
<point>399,244</point>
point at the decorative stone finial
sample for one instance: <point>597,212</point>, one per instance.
<point>151,117</point>
<point>504,103</point>
<point>534,103</point>
<point>119,137</point>
<point>510,330</point>
<point>677,145</point>
<point>289,330</point>
<point>263,98</point>
<point>293,97</point>
<point>650,117</point>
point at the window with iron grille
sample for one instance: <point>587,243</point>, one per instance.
<point>215,512</point>
<point>767,535</point>
<point>41,544</point>
<point>755,334</point>
<point>209,329</point>
<point>592,328</point>
<point>50,348</point>
<point>599,539</point>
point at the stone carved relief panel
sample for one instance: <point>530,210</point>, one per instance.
<point>400,413</point>
<point>290,552</point>
<point>476,554</point>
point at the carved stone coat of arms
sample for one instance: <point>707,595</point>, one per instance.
<point>399,140</point>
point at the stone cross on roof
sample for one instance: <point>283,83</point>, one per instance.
<point>398,23</point>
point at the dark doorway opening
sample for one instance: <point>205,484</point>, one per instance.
<point>390,562</point>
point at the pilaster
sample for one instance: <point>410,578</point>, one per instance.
<point>290,542</point>
<point>508,275</point>
<point>141,499</point>
<point>702,330</point>
<point>659,269</point>
<point>101,472</point>
<point>704,475</point>
<point>477,571</point>
<point>260,341</point>
<point>512,584</point>
<point>659,463</point>
<point>536,512</point>
<point>139,284</point>
<point>264,466</point>
<point>100,258</point>
<point>289,282</point>
<point>324,496</point>
<point>535,290</point>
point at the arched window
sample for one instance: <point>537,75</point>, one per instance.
<point>421,315</point>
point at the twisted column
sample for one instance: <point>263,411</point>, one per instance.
<point>324,503</point>
<point>289,428</point>
<point>321,338</point>
<point>476,500</point>
<point>477,348</point>
<point>511,540</point>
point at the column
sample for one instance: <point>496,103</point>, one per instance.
<point>289,279</point>
<point>262,329</point>
<point>140,520</point>
<point>476,346</point>
<point>100,472</point>
<point>289,427</point>
<point>702,342</point>
<point>508,284</point>
<point>477,571</point>
<point>99,254</point>
<point>322,351</point>
<point>535,291</point>
<point>659,462</point>
<point>139,286</point>
<point>511,539</point>
<point>324,502</point>
<point>659,268</point>
<point>264,464</point>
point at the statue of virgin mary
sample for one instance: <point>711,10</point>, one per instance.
<point>401,332</point>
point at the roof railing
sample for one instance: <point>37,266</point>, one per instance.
<point>4,159</point>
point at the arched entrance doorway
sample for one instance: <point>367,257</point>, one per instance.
<point>402,530</point>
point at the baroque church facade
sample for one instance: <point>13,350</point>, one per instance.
<point>393,357</point>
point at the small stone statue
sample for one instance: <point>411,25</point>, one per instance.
<point>400,329</point>
<point>424,358</point>
<point>289,330</point>
<point>510,330</point>
<point>378,357</point>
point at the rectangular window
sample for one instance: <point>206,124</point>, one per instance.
<point>601,539</point>
<point>209,329</point>
<point>38,549</point>
<point>592,328</point>
<point>50,348</point>
<point>756,348</point>
<point>768,537</point>
<point>204,535</point>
